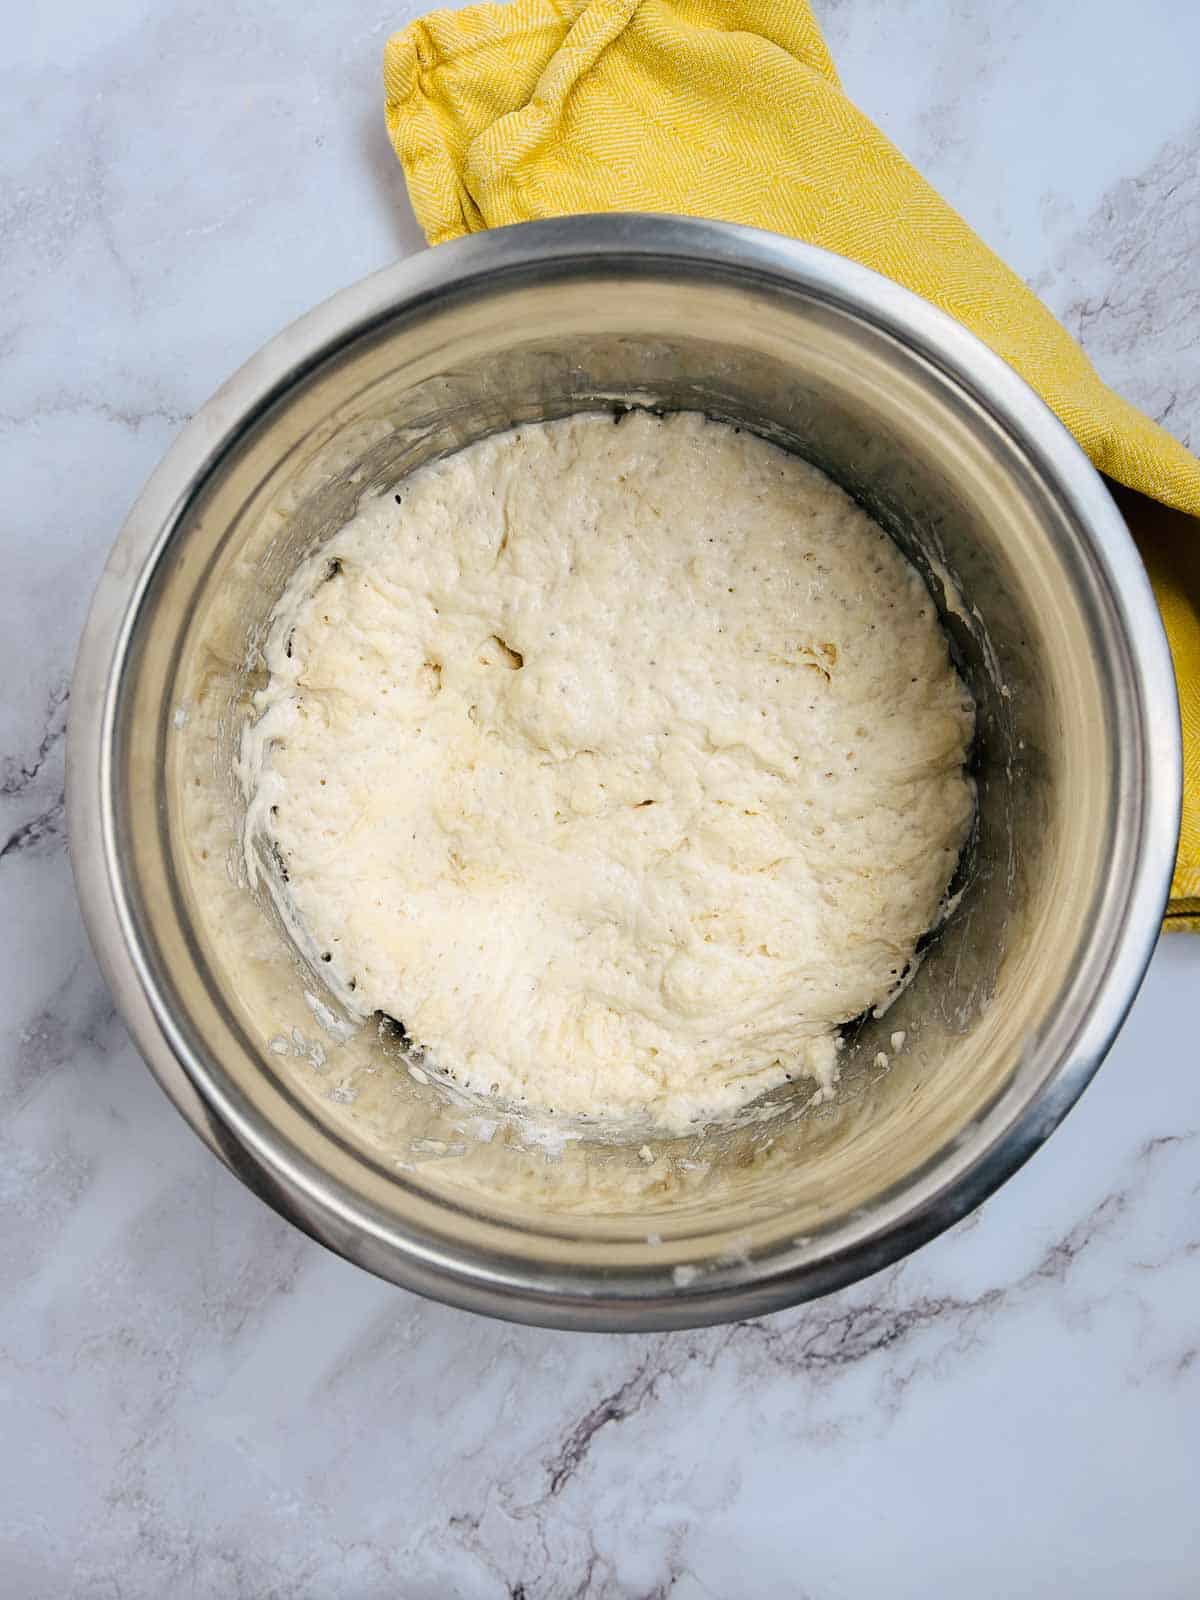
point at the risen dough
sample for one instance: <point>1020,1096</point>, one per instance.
<point>620,763</point>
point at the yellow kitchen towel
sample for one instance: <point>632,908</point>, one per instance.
<point>732,109</point>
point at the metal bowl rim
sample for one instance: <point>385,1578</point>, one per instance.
<point>1116,957</point>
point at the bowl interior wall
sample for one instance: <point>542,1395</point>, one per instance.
<point>966,506</point>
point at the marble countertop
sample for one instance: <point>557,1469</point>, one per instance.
<point>195,1399</point>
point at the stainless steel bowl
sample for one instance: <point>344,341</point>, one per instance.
<point>1017,997</point>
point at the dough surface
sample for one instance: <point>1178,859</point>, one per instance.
<point>620,763</point>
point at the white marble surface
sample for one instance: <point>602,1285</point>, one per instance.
<point>194,1399</point>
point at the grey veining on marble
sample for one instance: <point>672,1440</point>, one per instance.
<point>195,1400</point>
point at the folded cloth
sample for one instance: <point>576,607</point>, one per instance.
<point>732,109</point>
